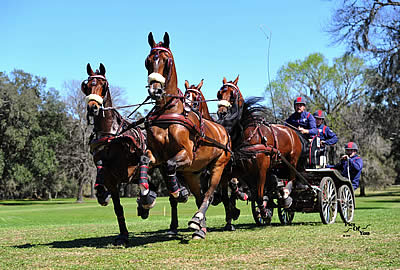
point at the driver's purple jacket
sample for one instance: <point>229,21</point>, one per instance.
<point>356,165</point>
<point>305,120</point>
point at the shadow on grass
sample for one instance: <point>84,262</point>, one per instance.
<point>32,202</point>
<point>253,226</point>
<point>149,237</point>
<point>139,239</point>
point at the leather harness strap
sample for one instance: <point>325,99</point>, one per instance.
<point>175,118</point>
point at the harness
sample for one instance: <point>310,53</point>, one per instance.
<point>157,118</point>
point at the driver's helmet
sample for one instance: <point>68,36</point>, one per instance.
<point>299,100</point>
<point>351,146</point>
<point>319,114</point>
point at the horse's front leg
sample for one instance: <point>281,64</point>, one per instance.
<point>181,160</point>
<point>229,206</point>
<point>122,238</point>
<point>173,227</point>
<point>147,197</point>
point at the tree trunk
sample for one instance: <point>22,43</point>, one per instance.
<point>79,198</point>
<point>362,188</point>
<point>92,194</point>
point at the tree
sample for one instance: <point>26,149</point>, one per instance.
<point>325,87</point>
<point>340,90</point>
<point>371,28</point>
<point>31,136</point>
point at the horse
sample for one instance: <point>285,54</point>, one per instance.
<point>179,140</point>
<point>194,100</point>
<point>257,145</point>
<point>116,156</point>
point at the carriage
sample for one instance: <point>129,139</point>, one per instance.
<point>317,189</point>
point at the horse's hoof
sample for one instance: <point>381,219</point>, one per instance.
<point>287,202</point>
<point>121,240</point>
<point>103,196</point>
<point>268,218</point>
<point>143,213</point>
<point>235,213</point>
<point>229,228</point>
<point>199,234</point>
<point>148,201</point>
<point>183,195</point>
<point>172,232</point>
<point>194,224</point>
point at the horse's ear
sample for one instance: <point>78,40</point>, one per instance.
<point>150,38</point>
<point>200,84</point>
<point>236,80</point>
<point>89,70</point>
<point>186,84</point>
<point>102,69</point>
<point>224,80</point>
<point>166,40</point>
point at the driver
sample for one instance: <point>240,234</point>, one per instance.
<point>302,120</point>
<point>327,136</point>
<point>350,163</point>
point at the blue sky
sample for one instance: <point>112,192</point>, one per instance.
<point>209,39</point>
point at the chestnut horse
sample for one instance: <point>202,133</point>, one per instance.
<point>178,140</point>
<point>257,145</point>
<point>194,100</point>
<point>116,156</point>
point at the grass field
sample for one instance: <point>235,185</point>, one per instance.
<point>61,234</point>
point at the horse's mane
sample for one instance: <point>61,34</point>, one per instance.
<point>253,111</point>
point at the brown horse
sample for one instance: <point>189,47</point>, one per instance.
<point>257,145</point>
<point>178,140</point>
<point>116,156</point>
<point>194,100</point>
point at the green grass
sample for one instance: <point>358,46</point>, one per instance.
<point>61,234</point>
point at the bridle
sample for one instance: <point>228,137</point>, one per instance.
<point>95,97</point>
<point>234,97</point>
<point>156,77</point>
<point>194,103</point>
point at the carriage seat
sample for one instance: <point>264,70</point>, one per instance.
<point>317,154</point>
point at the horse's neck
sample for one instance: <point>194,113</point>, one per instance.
<point>171,88</point>
<point>106,123</point>
<point>204,110</point>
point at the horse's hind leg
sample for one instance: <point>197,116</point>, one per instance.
<point>197,223</point>
<point>263,164</point>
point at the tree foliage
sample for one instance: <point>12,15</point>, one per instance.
<point>31,134</point>
<point>371,29</point>
<point>340,90</point>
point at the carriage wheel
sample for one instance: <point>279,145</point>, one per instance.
<point>327,200</point>
<point>346,203</point>
<point>285,216</point>
<point>255,209</point>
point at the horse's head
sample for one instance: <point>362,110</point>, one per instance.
<point>230,98</point>
<point>160,67</point>
<point>96,89</point>
<point>193,95</point>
